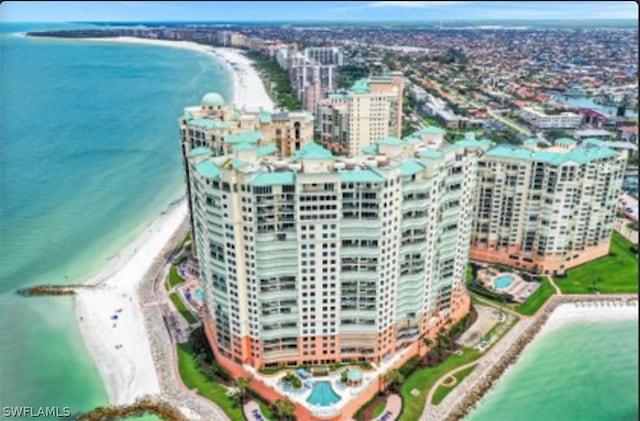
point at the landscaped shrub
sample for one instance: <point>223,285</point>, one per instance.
<point>294,380</point>
<point>409,367</point>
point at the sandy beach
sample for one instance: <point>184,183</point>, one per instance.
<point>248,89</point>
<point>567,314</point>
<point>120,347</point>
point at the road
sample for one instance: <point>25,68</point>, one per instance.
<point>509,123</point>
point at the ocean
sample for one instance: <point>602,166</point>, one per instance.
<point>89,158</point>
<point>580,372</point>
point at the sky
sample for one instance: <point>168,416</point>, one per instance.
<point>64,11</point>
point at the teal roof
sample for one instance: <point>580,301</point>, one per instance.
<point>267,150</point>
<point>312,150</point>
<point>593,141</point>
<point>200,151</point>
<point>243,147</point>
<point>212,99</point>
<point>531,141</point>
<point>432,130</point>
<point>580,155</point>
<point>354,375</point>
<point>361,176</point>
<point>273,178</point>
<point>391,141</point>
<point>208,123</point>
<point>472,143</point>
<point>410,167</point>
<point>247,137</point>
<point>430,153</point>
<point>239,163</point>
<point>265,116</point>
<point>207,169</point>
<point>412,139</point>
<point>360,87</point>
<point>370,149</point>
<point>565,141</point>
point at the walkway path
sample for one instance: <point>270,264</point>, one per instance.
<point>252,412</point>
<point>495,356</point>
<point>393,408</point>
<point>620,225</point>
<point>553,284</point>
<point>445,377</point>
<point>159,320</point>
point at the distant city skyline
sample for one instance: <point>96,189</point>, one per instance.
<point>22,11</point>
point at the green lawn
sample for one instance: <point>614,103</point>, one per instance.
<point>379,409</point>
<point>193,378</point>
<point>443,391</point>
<point>182,308</point>
<point>469,276</point>
<point>618,272</point>
<point>174,277</point>
<point>537,299</point>
<point>266,411</point>
<point>423,378</point>
<point>184,241</point>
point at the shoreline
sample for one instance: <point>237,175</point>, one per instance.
<point>120,369</point>
<point>248,88</point>
<point>565,315</point>
<point>558,312</point>
<point>128,372</point>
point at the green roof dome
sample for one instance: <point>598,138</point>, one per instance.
<point>212,99</point>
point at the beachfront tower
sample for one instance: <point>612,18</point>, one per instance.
<point>546,209</point>
<point>313,259</point>
<point>220,127</point>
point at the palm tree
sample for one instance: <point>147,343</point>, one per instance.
<point>242,385</point>
<point>284,408</point>
<point>394,379</point>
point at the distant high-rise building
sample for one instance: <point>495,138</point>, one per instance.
<point>371,110</point>
<point>325,55</point>
<point>312,72</point>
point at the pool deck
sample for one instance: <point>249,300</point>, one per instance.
<point>346,393</point>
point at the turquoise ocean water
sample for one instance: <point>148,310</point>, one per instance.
<point>581,372</point>
<point>89,157</point>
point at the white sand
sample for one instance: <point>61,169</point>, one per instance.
<point>129,372</point>
<point>566,314</point>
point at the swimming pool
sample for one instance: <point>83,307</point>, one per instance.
<point>503,281</point>
<point>198,293</point>
<point>323,394</point>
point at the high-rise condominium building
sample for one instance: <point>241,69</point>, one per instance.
<point>314,258</point>
<point>371,110</point>
<point>219,127</point>
<point>545,209</point>
<point>325,55</point>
